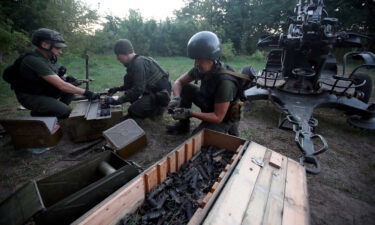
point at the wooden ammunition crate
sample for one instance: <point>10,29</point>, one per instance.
<point>80,129</point>
<point>127,199</point>
<point>33,132</point>
<point>259,186</point>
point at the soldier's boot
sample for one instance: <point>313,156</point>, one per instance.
<point>181,127</point>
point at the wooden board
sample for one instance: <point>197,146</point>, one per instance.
<point>162,169</point>
<point>231,204</point>
<point>276,160</point>
<point>265,188</point>
<point>296,210</point>
<point>118,205</point>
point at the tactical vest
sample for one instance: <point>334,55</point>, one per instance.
<point>29,82</point>
<point>162,83</point>
<point>209,84</point>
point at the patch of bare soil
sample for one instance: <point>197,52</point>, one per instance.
<point>343,193</point>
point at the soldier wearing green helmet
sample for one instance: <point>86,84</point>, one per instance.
<point>215,95</point>
<point>146,85</point>
<point>39,83</point>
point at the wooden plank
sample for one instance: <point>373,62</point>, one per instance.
<point>172,163</point>
<point>151,179</point>
<point>221,140</point>
<point>214,186</point>
<point>121,203</point>
<point>258,200</point>
<point>189,150</point>
<point>221,176</point>
<point>296,210</point>
<point>237,191</point>
<point>197,217</point>
<point>227,167</point>
<point>276,160</point>
<point>206,199</point>
<point>162,169</point>
<point>180,156</point>
<point>197,143</point>
<point>274,208</point>
<point>201,213</point>
<point>233,158</point>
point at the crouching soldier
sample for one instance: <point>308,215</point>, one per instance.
<point>37,81</point>
<point>217,95</point>
<point>146,85</point>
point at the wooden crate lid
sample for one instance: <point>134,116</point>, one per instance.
<point>265,188</point>
<point>42,126</point>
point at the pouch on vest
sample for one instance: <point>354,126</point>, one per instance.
<point>234,113</point>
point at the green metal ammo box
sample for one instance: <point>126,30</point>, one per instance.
<point>63,197</point>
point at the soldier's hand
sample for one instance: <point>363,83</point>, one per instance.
<point>110,101</point>
<point>175,102</point>
<point>181,113</point>
<point>73,80</point>
<point>91,95</point>
<point>113,90</point>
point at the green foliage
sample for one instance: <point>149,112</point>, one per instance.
<point>227,50</point>
<point>258,56</point>
<point>19,19</point>
<point>12,42</point>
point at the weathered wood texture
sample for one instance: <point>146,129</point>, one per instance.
<point>132,195</point>
<point>275,193</point>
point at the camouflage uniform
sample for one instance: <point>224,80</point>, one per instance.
<point>143,83</point>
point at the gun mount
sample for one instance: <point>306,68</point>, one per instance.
<point>301,74</point>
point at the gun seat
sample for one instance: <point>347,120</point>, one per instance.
<point>337,86</point>
<point>32,132</point>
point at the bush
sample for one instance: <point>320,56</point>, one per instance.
<point>227,50</point>
<point>258,56</point>
<point>12,42</point>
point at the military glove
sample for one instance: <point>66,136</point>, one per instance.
<point>113,90</point>
<point>175,102</point>
<point>111,101</point>
<point>91,95</point>
<point>73,80</point>
<point>181,113</point>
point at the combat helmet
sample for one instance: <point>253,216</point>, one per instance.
<point>123,46</point>
<point>204,45</point>
<point>49,36</point>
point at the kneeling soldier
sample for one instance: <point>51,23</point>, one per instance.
<point>146,85</point>
<point>216,95</point>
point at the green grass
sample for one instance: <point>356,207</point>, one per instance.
<point>107,72</point>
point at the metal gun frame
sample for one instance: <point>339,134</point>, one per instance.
<point>301,75</point>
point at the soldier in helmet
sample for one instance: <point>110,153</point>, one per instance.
<point>38,86</point>
<point>146,85</point>
<point>215,94</point>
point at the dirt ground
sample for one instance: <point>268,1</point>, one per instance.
<point>343,193</point>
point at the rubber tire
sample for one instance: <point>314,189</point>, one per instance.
<point>366,88</point>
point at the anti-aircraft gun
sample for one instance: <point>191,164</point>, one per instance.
<point>301,74</point>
